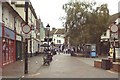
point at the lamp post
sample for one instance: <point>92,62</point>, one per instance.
<point>48,29</point>
<point>26,40</point>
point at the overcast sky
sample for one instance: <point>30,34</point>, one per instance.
<point>50,11</point>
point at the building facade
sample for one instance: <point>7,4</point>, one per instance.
<point>33,21</point>
<point>107,40</point>
<point>10,22</point>
<point>12,44</point>
<point>58,37</point>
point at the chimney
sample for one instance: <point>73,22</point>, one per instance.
<point>53,28</point>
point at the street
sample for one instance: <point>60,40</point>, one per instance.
<point>62,66</point>
<point>83,36</point>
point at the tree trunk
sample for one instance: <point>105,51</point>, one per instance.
<point>98,45</point>
<point>98,49</point>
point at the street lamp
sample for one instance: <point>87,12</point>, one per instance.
<point>48,29</point>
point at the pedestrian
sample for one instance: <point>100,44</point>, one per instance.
<point>72,51</point>
<point>110,52</point>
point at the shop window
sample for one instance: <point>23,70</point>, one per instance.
<point>7,51</point>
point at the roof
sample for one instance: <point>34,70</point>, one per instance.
<point>52,32</point>
<point>56,31</point>
<point>60,31</point>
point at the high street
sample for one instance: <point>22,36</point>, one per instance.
<point>62,66</point>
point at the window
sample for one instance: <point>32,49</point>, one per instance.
<point>3,15</point>
<point>58,35</point>
<point>58,41</point>
<point>105,34</point>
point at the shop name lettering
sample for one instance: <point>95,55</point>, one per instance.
<point>6,34</point>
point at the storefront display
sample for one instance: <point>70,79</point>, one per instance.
<point>8,46</point>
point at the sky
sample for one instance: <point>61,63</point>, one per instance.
<point>50,11</point>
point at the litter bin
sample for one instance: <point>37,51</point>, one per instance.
<point>106,64</point>
<point>93,50</point>
<point>93,54</point>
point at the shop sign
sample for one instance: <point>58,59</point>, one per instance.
<point>9,33</point>
<point>18,38</point>
<point>114,35</point>
<point>0,29</point>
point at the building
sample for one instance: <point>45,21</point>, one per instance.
<point>58,36</point>
<point>10,26</point>
<point>12,18</point>
<point>107,37</point>
<point>34,22</point>
<point>42,32</point>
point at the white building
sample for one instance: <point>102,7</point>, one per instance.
<point>58,36</point>
<point>108,35</point>
<point>107,39</point>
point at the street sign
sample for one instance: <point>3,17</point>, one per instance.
<point>26,29</point>
<point>114,35</point>
<point>114,28</point>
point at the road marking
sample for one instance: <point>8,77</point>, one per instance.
<point>111,72</point>
<point>56,60</point>
<point>34,74</point>
<point>23,76</point>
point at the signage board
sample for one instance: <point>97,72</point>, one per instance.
<point>114,28</point>
<point>93,47</point>
<point>9,33</point>
<point>18,38</point>
<point>114,35</point>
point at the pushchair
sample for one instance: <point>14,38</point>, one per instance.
<point>47,59</point>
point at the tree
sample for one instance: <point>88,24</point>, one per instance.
<point>85,22</point>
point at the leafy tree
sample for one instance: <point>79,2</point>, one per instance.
<point>85,22</point>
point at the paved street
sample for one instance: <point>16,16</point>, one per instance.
<point>0,73</point>
<point>62,66</point>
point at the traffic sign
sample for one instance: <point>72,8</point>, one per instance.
<point>114,28</point>
<point>26,29</point>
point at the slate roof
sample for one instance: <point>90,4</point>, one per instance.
<point>57,31</point>
<point>60,31</point>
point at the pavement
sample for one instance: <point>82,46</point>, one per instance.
<point>0,73</point>
<point>62,66</point>
<point>16,69</point>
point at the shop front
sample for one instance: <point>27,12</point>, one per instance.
<point>8,45</point>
